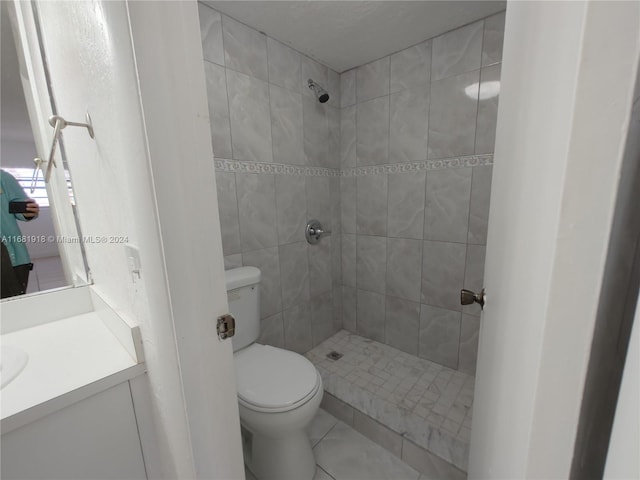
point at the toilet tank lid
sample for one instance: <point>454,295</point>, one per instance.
<point>242,277</point>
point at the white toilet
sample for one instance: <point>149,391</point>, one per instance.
<point>279,391</point>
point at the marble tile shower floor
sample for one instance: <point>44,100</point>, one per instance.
<point>425,402</point>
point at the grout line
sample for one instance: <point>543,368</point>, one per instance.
<point>328,431</point>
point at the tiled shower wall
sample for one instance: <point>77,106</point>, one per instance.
<point>277,162</point>
<point>417,134</point>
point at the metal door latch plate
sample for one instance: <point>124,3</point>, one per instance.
<point>226,326</point>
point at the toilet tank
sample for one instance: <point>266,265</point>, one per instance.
<point>243,294</point>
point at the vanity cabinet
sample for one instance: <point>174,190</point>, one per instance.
<point>95,438</point>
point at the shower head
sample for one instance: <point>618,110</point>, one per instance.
<point>321,93</point>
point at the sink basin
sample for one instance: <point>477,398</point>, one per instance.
<point>12,362</point>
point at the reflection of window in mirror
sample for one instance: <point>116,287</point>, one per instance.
<point>18,149</point>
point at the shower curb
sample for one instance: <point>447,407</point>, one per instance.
<point>423,460</point>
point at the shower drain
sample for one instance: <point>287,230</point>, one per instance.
<point>334,355</point>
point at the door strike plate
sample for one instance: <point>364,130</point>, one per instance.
<point>226,326</point>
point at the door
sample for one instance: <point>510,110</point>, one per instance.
<point>136,69</point>
<point>562,123</point>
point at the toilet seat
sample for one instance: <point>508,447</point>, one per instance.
<point>274,380</point>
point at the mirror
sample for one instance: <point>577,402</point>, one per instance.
<point>52,239</point>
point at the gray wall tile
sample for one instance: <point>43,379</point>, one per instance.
<point>297,328</point>
<point>404,268</point>
<point>474,274</point>
<point>228,211</point>
<point>257,208</point>
<point>267,260</point>
<point>488,109</point>
<point>452,116</point>
<point>333,147</point>
<point>372,80</point>
<point>348,137</point>
<point>402,324</point>
<point>371,263</point>
<point>348,204</point>
<point>245,49</point>
<point>315,132</point>
<point>373,132</point>
<point>337,307</point>
<point>232,261</point>
<point>409,111</point>
<point>272,331</point>
<point>439,335</point>
<point>336,260</point>
<point>319,201</point>
<point>411,67</point>
<point>406,204</point>
<point>479,207</point>
<point>446,214</point>
<point>218,110</point>
<point>322,326</point>
<point>294,271</point>
<point>211,34</point>
<point>250,117</point>
<point>336,208</point>
<point>284,66</point>
<point>349,260</point>
<point>320,263</point>
<point>371,208</point>
<point>469,334</point>
<point>286,126</point>
<point>493,39</point>
<point>349,309</point>
<point>256,216</point>
<point>283,122</point>
<point>348,88</point>
<point>370,315</point>
<point>333,87</point>
<point>442,273</point>
<point>291,205</point>
<point>457,51</point>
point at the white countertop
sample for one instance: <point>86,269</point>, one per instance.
<point>69,359</point>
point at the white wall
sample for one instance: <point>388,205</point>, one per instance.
<point>562,121</point>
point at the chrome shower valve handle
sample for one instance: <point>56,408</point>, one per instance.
<point>313,232</point>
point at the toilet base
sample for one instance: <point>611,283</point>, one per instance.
<point>283,458</point>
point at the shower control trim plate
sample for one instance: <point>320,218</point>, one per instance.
<point>313,232</point>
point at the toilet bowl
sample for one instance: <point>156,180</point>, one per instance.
<point>279,391</point>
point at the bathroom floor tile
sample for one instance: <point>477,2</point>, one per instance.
<point>320,426</point>
<point>427,403</point>
<point>347,455</point>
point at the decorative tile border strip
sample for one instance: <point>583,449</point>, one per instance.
<point>237,166</point>
<point>437,164</point>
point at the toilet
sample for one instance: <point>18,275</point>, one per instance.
<point>279,391</point>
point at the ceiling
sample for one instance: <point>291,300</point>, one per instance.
<point>347,34</point>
